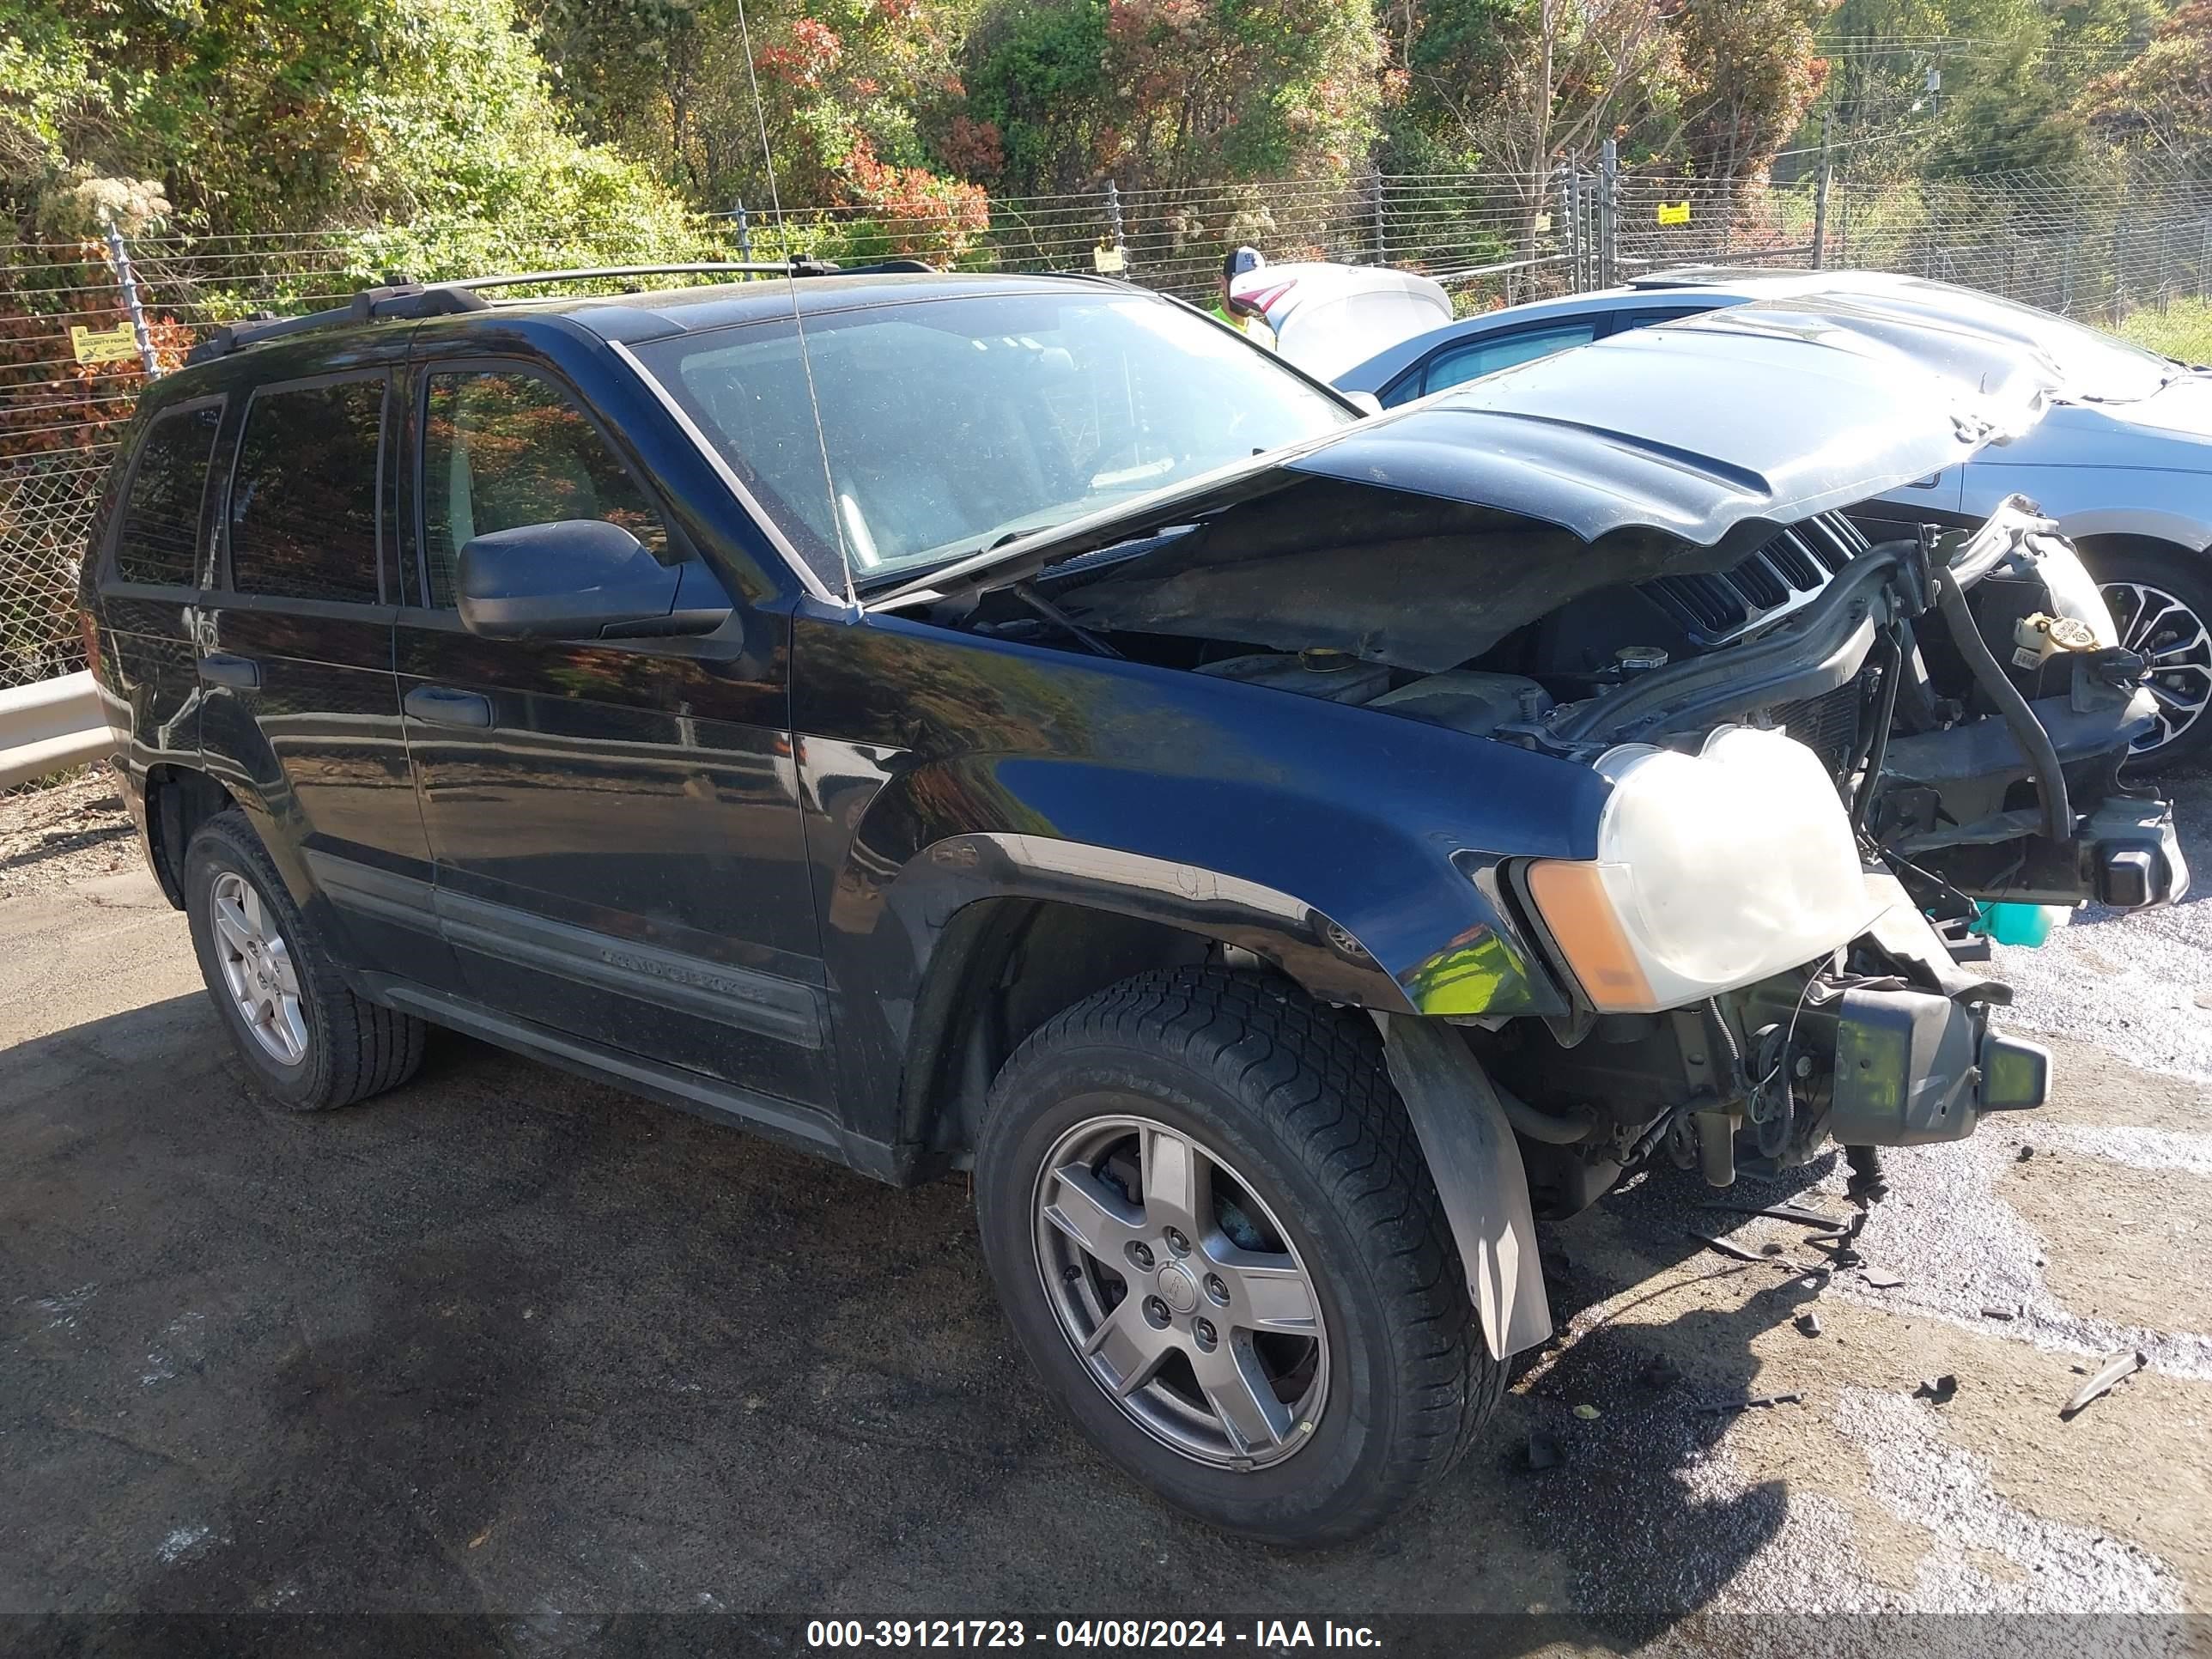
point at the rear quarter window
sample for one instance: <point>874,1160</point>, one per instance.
<point>159,540</point>
<point>302,517</point>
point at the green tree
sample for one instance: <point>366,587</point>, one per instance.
<point>1749,73</point>
<point>858,99</point>
<point>1167,93</point>
<point>284,115</point>
<point>2162,100</point>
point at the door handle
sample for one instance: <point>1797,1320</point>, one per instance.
<point>440,705</point>
<point>221,668</point>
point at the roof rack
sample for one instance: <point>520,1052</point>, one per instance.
<point>416,300</point>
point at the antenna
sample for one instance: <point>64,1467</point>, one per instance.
<point>798,321</point>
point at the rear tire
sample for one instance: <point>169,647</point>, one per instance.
<point>1311,1197</point>
<point>310,1043</point>
<point>2161,601</point>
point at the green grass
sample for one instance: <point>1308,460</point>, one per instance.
<point>2183,329</point>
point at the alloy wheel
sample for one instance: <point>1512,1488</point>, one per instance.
<point>2174,639</point>
<point>258,969</point>
<point>1181,1292</point>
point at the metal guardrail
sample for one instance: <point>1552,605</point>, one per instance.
<point>51,726</point>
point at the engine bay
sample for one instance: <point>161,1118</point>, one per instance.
<point>1963,763</point>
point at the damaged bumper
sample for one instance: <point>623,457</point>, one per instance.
<point>1914,1066</point>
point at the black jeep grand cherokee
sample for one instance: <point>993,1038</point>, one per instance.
<point>1014,724</point>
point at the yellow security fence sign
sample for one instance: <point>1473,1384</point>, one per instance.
<point>1674,213</point>
<point>104,345</point>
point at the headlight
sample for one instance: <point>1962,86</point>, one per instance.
<point>1713,871</point>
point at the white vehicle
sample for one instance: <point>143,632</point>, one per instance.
<point>2123,462</point>
<point>1329,317</point>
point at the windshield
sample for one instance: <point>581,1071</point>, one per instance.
<point>951,425</point>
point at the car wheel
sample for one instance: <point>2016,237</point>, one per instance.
<point>1213,1233</point>
<point>2162,605</point>
<point>311,1041</point>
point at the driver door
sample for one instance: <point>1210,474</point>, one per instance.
<point>613,822</point>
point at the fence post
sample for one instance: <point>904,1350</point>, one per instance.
<point>2204,261</point>
<point>1609,212</point>
<point>1114,223</point>
<point>1821,201</point>
<point>744,232</point>
<point>2066,275</point>
<point>1571,242</point>
<point>1374,211</point>
<point>126,278</point>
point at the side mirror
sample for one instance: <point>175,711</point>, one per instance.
<point>582,578</point>
<point>1367,402</point>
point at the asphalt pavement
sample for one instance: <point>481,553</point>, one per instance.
<point>544,1368</point>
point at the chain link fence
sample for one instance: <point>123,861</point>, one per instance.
<point>2093,245</point>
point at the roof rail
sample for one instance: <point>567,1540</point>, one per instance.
<point>417,299</point>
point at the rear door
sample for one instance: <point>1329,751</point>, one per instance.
<point>150,593</point>
<point>615,822</point>
<point>302,710</point>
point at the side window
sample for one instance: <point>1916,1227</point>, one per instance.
<point>503,448</point>
<point>160,540</point>
<point>1625,320</point>
<point>303,495</point>
<point>1487,356</point>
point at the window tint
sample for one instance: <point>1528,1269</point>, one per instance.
<point>501,450</point>
<point>303,497</point>
<point>160,536</point>
<point>1487,356</point>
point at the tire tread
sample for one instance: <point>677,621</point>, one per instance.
<point>1318,1073</point>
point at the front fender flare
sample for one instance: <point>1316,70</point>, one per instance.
<point>1313,949</point>
<point>1476,1165</point>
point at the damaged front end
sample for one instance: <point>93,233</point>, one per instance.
<point>1823,757</point>
<point>1967,701</point>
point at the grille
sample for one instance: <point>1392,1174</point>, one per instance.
<point>1773,581</point>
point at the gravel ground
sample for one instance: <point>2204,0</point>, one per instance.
<point>50,837</point>
<point>2137,987</point>
<point>525,1356</point>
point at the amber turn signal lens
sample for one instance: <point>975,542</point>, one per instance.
<point>1574,905</point>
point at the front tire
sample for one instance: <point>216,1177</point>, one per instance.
<point>2161,602</point>
<point>310,1043</point>
<point>1211,1228</point>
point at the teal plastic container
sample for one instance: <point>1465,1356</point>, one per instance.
<point>2020,923</point>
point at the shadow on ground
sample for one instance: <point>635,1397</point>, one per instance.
<point>521,1353</point>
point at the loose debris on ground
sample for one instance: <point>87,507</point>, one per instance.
<point>2115,1371</point>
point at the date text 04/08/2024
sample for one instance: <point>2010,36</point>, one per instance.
<point>1260,1635</point>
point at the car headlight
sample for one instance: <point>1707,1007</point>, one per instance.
<point>1713,871</point>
